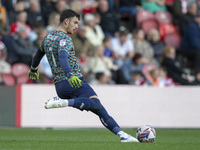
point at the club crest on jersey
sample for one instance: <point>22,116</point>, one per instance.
<point>62,42</point>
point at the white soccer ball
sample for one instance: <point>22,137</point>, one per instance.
<point>146,134</point>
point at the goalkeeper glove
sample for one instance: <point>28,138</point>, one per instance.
<point>74,81</point>
<point>33,74</point>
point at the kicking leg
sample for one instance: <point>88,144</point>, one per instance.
<point>92,104</point>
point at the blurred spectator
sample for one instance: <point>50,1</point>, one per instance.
<point>173,70</point>
<point>81,43</point>
<point>138,79</point>
<point>102,78</point>
<point>158,77</point>
<point>54,20</point>
<point>153,5</point>
<point>107,45</point>
<point>197,77</point>
<point>100,63</point>
<point>179,8</point>
<point>76,6</point>
<point>34,14</point>
<point>24,48</point>
<point>60,6</point>
<point>141,46</point>
<point>21,21</point>
<point>47,7</point>
<point>41,33</point>
<point>4,18</point>
<point>5,67</point>
<point>122,48</point>
<point>129,6</point>
<point>164,79</point>
<point>94,33</point>
<point>187,18</point>
<point>123,52</point>
<point>89,6</point>
<point>190,42</point>
<point>109,20</point>
<point>154,39</point>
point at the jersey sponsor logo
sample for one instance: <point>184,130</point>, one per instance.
<point>62,42</point>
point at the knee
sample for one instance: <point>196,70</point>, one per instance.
<point>96,104</point>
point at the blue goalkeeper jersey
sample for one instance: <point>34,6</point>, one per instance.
<point>52,44</point>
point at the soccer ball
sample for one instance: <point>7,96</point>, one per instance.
<point>146,134</point>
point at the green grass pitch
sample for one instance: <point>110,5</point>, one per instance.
<point>94,139</point>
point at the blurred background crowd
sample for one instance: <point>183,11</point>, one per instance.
<point>136,42</point>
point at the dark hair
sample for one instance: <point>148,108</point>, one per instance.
<point>98,75</point>
<point>68,13</point>
<point>123,32</point>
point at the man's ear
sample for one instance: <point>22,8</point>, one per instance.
<point>66,21</point>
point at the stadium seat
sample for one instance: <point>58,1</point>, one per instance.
<point>8,79</point>
<point>144,15</point>
<point>166,29</point>
<point>163,17</point>
<point>22,79</point>
<point>20,69</point>
<point>149,24</point>
<point>173,39</point>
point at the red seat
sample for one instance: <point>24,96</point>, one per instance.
<point>20,69</point>
<point>173,39</point>
<point>147,25</point>
<point>22,79</point>
<point>166,29</point>
<point>163,17</point>
<point>8,79</point>
<point>143,15</point>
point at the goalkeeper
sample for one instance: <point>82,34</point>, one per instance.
<point>71,88</point>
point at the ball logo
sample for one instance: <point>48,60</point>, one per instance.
<point>62,42</point>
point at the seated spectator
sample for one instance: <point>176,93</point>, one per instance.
<point>158,77</point>
<point>165,81</point>
<point>21,21</point>
<point>179,8</point>
<point>141,46</point>
<point>54,20</point>
<point>122,48</point>
<point>138,79</point>
<point>109,20</point>
<point>107,45</point>
<point>34,14</point>
<point>94,32</point>
<point>100,63</point>
<point>24,48</point>
<point>154,6</point>
<point>81,43</point>
<point>187,18</point>
<point>102,78</point>
<point>190,42</point>
<point>123,52</point>
<point>174,71</point>
<point>154,40</point>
